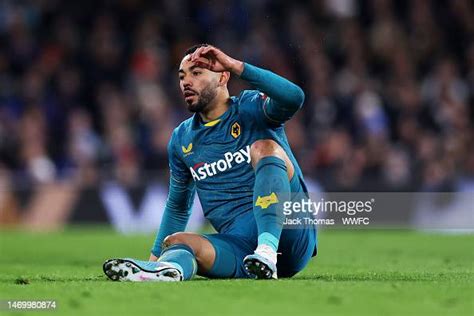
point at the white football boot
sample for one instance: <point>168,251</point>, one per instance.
<point>141,271</point>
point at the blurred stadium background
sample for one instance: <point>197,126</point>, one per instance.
<point>89,97</point>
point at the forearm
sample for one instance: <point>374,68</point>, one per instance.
<point>173,221</point>
<point>176,213</point>
<point>286,97</point>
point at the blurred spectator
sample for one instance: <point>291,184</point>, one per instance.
<point>90,91</point>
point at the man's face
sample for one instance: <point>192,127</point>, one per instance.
<point>198,85</point>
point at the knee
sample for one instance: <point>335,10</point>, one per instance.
<point>266,148</point>
<point>201,248</point>
<point>176,238</point>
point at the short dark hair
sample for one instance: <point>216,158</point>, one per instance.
<point>193,48</point>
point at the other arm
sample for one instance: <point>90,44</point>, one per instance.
<point>179,202</point>
<point>285,97</point>
<point>176,214</point>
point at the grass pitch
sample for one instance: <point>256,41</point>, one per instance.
<point>356,273</point>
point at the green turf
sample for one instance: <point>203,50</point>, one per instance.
<point>356,273</point>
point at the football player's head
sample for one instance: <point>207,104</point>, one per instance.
<point>199,86</point>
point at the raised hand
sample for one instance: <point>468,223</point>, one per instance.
<point>212,58</point>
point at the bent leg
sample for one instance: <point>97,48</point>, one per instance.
<point>216,255</point>
<point>273,171</point>
<point>182,256</point>
<point>191,252</point>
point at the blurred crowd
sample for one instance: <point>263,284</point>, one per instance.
<point>89,89</point>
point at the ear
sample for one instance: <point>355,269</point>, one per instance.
<point>224,78</point>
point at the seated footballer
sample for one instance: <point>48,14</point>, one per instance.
<point>234,152</point>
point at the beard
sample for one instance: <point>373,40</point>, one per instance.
<point>204,98</point>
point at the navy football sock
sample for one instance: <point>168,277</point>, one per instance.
<point>271,190</point>
<point>182,257</point>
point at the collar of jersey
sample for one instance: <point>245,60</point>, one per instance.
<point>199,123</point>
